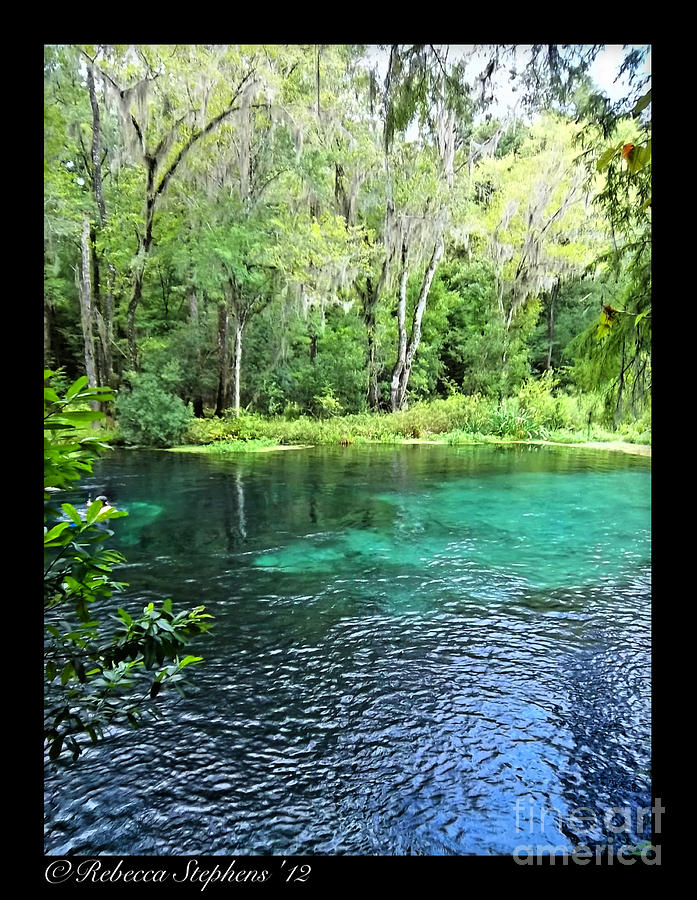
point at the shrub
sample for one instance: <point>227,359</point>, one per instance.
<point>534,414</point>
<point>544,410</point>
<point>148,414</point>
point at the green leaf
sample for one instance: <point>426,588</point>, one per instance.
<point>641,104</point>
<point>188,660</point>
<point>111,514</point>
<point>93,511</point>
<point>641,157</point>
<point>56,531</point>
<point>640,317</point>
<point>125,616</point>
<point>67,673</point>
<point>78,418</point>
<point>70,510</point>
<point>76,387</point>
<point>607,157</point>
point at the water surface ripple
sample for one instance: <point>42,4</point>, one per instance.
<point>418,650</point>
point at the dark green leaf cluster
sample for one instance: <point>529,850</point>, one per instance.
<point>96,674</point>
<point>151,415</point>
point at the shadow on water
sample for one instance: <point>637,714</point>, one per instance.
<point>418,650</point>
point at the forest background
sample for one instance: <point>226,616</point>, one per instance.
<point>254,245</point>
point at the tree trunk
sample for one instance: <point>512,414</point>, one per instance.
<point>104,318</point>
<point>370,302</point>
<point>193,322</point>
<point>617,418</point>
<point>131,319</point>
<point>193,307</point>
<point>239,327</point>
<point>223,353</point>
<point>550,327</point>
<point>154,191</point>
<point>373,398</point>
<point>405,359</point>
<point>137,293</point>
<point>99,355</point>
<point>109,327</point>
<point>86,316</point>
<point>96,148</point>
<point>48,359</point>
<point>398,370</point>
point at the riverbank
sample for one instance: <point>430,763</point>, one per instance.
<point>619,446</point>
<point>454,420</point>
<point>253,446</point>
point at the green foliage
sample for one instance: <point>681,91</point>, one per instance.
<point>150,415</point>
<point>536,412</point>
<point>279,218</point>
<point>182,360</point>
<point>96,673</point>
<point>333,381</point>
<point>566,311</point>
<point>480,354</point>
<point>536,397</point>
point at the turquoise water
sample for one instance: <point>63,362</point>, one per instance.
<point>416,649</point>
<point>544,530</point>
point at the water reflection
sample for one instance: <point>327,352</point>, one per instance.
<point>410,678</point>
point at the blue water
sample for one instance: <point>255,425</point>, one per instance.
<point>418,650</point>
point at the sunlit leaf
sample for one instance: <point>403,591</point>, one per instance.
<point>76,387</point>
<point>608,156</point>
<point>93,511</point>
<point>56,531</point>
<point>70,510</point>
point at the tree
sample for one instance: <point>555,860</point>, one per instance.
<point>226,193</point>
<point>193,100</point>
<point>419,84</point>
<point>617,144</point>
<point>95,674</point>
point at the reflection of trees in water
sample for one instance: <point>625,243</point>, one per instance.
<point>234,520</point>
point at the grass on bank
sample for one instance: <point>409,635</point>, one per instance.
<point>455,420</point>
<point>534,414</point>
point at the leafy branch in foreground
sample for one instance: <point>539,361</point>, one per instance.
<point>96,674</point>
